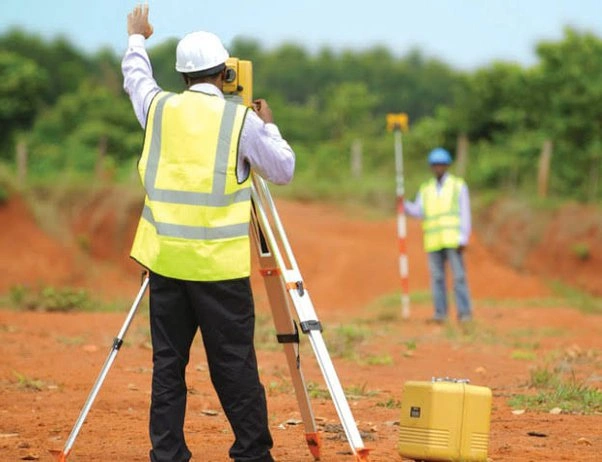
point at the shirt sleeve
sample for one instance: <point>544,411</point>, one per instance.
<point>263,149</point>
<point>138,80</point>
<point>465,218</point>
<point>414,209</point>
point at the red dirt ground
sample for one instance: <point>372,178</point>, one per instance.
<point>50,360</point>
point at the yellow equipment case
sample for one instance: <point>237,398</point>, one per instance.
<point>444,420</point>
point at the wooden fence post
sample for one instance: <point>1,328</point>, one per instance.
<point>356,159</point>
<point>594,178</point>
<point>462,155</point>
<point>21,155</point>
<point>100,159</point>
<point>543,175</point>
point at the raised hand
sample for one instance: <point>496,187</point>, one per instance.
<point>138,21</point>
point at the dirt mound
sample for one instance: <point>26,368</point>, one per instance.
<point>30,256</point>
<point>563,244</point>
<point>571,248</point>
<point>346,260</point>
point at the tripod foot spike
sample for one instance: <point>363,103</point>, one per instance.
<point>362,455</point>
<point>314,444</point>
<point>60,456</point>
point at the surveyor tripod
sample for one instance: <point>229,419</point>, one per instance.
<point>285,288</point>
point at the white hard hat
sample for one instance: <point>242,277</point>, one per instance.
<point>200,51</point>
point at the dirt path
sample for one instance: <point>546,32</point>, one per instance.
<point>50,361</point>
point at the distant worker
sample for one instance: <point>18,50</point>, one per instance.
<point>193,236</point>
<point>443,204</point>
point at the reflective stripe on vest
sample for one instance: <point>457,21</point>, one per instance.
<point>441,224</point>
<point>186,233</point>
<point>195,232</point>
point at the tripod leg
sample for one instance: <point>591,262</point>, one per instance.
<point>312,327</point>
<point>269,244</point>
<point>288,335</point>
<point>117,342</point>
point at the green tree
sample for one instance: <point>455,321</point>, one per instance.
<point>64,65</point>
<point>570,73</point>
<point>70,135</point>
<point>492,101</point>
<point>21,86</point>
<point>348,109</point>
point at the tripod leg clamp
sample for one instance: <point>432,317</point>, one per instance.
<point>289,338</point>
<point>117,342</point>
<point>307,326</point>
<point>298,286</point>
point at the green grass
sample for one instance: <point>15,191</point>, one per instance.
<point>576,298</point>
<point>62,299</point>
<point>581,251</point>
<point>571,397</point>
<point>563,296</point>
<point>279,387</point>
<point>265,333</point>
<point>542,377</point>
<point>70,341</point>
<point>552,331</point>
<point>379,360</point>
<point>411,344</point>
<point>355,392</point>
<point>317,392</point>
<point>555,391</point>
<point>390,403</point>
<point>523,355</point>
<point>387,308</point>
<point>28,383</point>
<point>48,298</point>
<point>472,333</point>
<point>343,341</point>
<point>525,339</point>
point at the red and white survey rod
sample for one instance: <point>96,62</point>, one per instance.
<point>398,123</point>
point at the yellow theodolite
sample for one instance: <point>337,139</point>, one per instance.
<point>239,81</point>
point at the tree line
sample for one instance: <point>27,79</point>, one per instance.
<point>68,110</point>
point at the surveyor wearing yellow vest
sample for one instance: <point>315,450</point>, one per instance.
<point>193,238</point>
<point>444,206</point>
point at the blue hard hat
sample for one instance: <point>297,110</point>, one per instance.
<point>440,156</point>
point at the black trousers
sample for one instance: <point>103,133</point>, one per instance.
<point>224,311</point>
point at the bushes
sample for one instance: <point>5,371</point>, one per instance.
<point>49,299</point>
<point>6,184</point>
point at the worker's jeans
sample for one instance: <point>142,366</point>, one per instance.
<point>224,312</point>
<point>437,268</point>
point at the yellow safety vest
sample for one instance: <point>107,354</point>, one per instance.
<point>441,224</point>
<point>195,221</point>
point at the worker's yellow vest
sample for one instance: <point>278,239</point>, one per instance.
<point>195,221</point>
<point>441,224</point>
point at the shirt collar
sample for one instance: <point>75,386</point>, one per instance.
<point>443,178</point>
<point>207,88</point>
